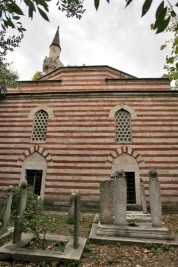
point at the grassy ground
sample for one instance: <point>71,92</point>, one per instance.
<point>110,254</point>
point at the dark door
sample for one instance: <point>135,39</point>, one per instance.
<point>34,178</point>
<point>131,195</point>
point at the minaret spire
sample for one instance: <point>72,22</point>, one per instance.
<point>53,61</point>
<point>56,40</point>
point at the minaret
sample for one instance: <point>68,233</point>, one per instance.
<point>53,61</point>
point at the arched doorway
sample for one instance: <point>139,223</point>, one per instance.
<point>34,172</point>
<point>130,166</point>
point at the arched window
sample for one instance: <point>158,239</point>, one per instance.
<point>40,124</point>
<point>123,126</point>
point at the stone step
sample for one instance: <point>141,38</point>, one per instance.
<point>138,215</point>
<point>143,230</point>
<point>140,240</point>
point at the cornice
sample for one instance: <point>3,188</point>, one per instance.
<point>90,94</point>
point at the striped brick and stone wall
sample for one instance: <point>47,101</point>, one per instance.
<point>80,146</point>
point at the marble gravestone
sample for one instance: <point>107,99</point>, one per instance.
<point>21,205</point>
<point>76,198</point>
<point>71,204</point>
<point>120,198</point>
<point>5,211</point>
<point>155,199</point>
<point>148,229</point>
<point>143,197</point>
<point>106,201</point>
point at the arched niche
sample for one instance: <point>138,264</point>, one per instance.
<point>35,162</point>
<point>122,106</point>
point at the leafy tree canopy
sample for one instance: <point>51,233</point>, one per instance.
<point>171,65</point>
<point>37,76</point>
<point>7,76</point>
<point>11,12</point>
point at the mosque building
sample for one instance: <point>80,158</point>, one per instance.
<point>78,125</point>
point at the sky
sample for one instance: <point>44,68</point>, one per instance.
<point>114,35</point>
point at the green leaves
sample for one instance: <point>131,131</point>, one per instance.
<point>11,14</point>
<point>162,25</point>
<point>16,17</point>
<point>43,4</point>
<point>128,2</point>
<point>34,5</point>
<point>8,78</point>
<point>72,8</point>
<point>31,9</point>
<point>171,65</point>
<point>37,76</point>
<point>146,6</point>
<point>14,8</point>
<point>160,12</point>
<point>161,20</point>
<point>43,14</point>
<point>96,2</point>
<point>8,23</point>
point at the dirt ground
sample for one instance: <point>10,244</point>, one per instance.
<point>111,254</point>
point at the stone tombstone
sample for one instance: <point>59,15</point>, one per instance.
<point>76,220</point>
<point>120,198</point>
<point>155,199</point>
<point>71,205</point>
<point>143,197</point>
<point>3,227</point>
<point>40,204</point>
<point>106,201</point>
<point>21,205</point>
<point>6,210</point>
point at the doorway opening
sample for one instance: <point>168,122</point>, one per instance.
<point>131,195</point>
<point>34,178</point>
<point>130,166</point>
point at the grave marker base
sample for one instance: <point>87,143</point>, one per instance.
<point>3,236</point>
<point>144,233</point>
<point>144,230</point>
<point>18,251</point>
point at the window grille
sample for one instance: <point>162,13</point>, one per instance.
<point>131,194</point>
<point>40,125</point>
<point>34,178</point>
<point>123,126</point>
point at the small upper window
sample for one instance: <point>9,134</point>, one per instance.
<point>123,126</point>
<point>40,124</point>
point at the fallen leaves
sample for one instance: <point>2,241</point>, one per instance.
<point>112,254</point>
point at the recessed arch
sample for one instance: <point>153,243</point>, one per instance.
<point>41,107</point>
<point>42,151</point>
<point>128,150</point>
<point>130,166</point>
<point>122,106</point>
<point>33,164</point>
